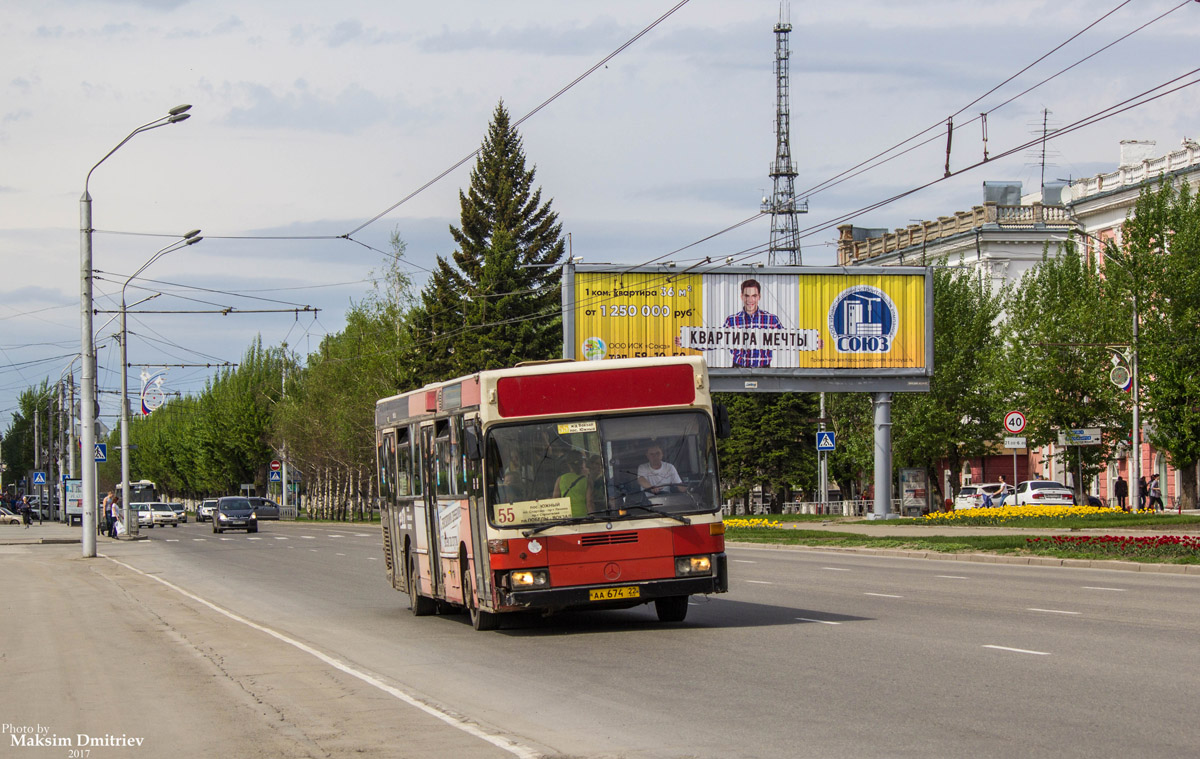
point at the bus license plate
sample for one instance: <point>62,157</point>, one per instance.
<point>612,594</point>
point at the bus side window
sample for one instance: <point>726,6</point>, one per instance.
<point>443,458</point>
<point>386,455</point>
<point>418,459</point>
<point>404,463</point>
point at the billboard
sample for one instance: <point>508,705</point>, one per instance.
<point>767,329</point>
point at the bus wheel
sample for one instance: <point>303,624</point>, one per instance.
<point>671,608</point>
<point>480,619</point>
<point>421,606</point>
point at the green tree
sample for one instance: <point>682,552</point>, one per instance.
<point>959,417</point>
<point>1158,267</point>
<point>498,301</point>
<point>1059,321</point>
<point>771,446</point>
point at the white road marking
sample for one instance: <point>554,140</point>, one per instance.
<point>1019,650</point>
<point>172,540</point>
<point>363,535</point>
<point>309,537</point>
<point>953,577</point>
<point>225,538</point>
<point>507,744</point>
<point>744,561</point>
<point>1054,611</point>
<point>1094,587</point>
<point>760,582</point>
<point>818,621</point>
<point>339,554</point>
<point>372,558</point>
<point>882,595</point>
<point>253,538</point>
<point>199,540</point>
<point>337,536</point>
<point>280,538</point>
<point>835,569</point>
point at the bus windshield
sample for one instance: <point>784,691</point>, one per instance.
<point>635,466</point>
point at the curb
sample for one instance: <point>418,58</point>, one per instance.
<point>990,558</point>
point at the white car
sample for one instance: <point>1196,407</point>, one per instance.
<point>1041,493</point>
<point>162,514</point>
<point>204,512</point>
<point>971,496</point>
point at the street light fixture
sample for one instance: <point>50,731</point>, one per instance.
<point>87,380</point>
<point>131,526</point>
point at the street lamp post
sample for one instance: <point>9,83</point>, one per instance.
<point>1135,441</point>
<point>131,526</point>
<point>87,380</point>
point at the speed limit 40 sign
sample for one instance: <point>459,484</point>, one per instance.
<point>1014,422</point>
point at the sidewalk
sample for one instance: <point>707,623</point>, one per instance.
<point>98,656</point>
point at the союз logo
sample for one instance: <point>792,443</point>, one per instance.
<point>863,319</point>
<point>594,349</point>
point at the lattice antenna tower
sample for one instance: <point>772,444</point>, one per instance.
<point>782,205</point>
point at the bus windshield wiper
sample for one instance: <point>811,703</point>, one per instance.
<point>558,523</point>
<point>657,511</point>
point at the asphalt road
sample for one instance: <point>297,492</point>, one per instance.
<point>810,655</point>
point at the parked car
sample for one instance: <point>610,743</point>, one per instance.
<point>264,508</point>
<point>972,496</point>
<point>204,512</point>
<point>1041,493</point>
<point>179,512</point>
<point>162,514</point>
<point>8,517</point>
<point>234,513</point>
<point>144,517</point>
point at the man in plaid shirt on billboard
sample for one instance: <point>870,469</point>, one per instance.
<point>752,317</point>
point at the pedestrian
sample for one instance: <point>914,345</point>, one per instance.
<point>1156,501</point>
<point>1121,491</point>
<point>1141,493</point>
<point>112,512</point>
<point>26,512</point>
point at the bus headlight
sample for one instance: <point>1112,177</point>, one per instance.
<point>529,578</point>
<point>688,566</point>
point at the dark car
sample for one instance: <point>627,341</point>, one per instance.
<point>264,507</point>
<point>234,513</point>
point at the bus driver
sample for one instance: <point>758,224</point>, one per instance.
<point>657,475</point>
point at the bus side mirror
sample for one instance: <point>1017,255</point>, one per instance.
<point>472,443</point>
<point>721,417</point>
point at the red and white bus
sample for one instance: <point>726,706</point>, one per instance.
<point>553,486</point>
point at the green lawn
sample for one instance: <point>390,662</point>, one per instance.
<point>1150,548</point>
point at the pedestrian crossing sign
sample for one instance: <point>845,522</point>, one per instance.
<point>275,477</point>
<point>826,441</point>
<point>39,478</point>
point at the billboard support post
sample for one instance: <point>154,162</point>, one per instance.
<point>883,456</point>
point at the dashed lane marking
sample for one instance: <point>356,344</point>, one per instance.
<point>1019,650</point>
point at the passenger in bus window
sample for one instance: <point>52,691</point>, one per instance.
<point>575,484</point>
<point>656,475</point>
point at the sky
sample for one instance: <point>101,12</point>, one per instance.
<point>310,119</point>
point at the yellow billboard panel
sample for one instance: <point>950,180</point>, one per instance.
<point>633,315</point>
<point>814,320</point>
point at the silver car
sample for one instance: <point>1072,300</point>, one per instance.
<point>204,512</point>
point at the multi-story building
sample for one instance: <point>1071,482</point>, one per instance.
<point>1006,236</point>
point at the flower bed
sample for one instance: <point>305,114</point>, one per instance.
<point>1013,515</point>
<point>1153,547</point>
<point>742,523</point>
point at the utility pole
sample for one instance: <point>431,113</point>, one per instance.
<point>782,205</point>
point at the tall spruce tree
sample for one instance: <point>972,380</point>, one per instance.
<point>498,302</point>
